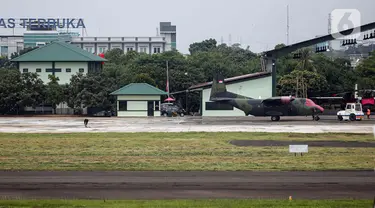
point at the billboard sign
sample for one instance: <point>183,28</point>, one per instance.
<point>298,148</point>
<point>42,22</point>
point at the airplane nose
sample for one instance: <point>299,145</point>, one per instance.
<point>319,108</point>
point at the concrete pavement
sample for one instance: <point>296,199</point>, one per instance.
<point>181,124</point>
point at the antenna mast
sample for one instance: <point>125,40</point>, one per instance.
<point>329,23</point>
<point>287,25</point>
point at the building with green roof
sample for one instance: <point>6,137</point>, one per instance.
<point>60,59</point>
<point>138,99</point>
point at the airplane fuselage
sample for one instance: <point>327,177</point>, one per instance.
<point>256,107</point>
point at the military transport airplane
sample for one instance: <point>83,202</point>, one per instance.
<point>274,106</point>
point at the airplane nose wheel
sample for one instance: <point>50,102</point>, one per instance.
<point>316,118</point>
<point>275,118</point>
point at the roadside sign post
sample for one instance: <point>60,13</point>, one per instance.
<point>298,149</point>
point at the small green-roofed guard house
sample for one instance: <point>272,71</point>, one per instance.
<point>60,59</point>
<point>138,99</point>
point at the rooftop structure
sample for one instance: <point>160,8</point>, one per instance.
<point>60,59</point>
<point>166,41</point>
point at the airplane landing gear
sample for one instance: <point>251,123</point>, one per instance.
<point>275,118</point>
<point>316,118</point>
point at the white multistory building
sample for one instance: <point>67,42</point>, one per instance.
<point>165,40</point>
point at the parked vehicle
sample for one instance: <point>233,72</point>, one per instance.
<point>352,112</point>
<point>170,109</point>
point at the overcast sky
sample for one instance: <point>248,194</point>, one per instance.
<point>261,24</point>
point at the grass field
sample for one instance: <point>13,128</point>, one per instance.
<point>190,203</point>
<point>175,151</point>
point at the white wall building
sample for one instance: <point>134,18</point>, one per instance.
<point>166,41</point>
<point>138,100</point>
<point>10,44</point>
<point>257,85</point>
<point>163,41</point>
<point>60,59</point>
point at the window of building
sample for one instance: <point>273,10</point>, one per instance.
<point>25,70</point>
<point>89,49</point>
<point>38,70</point>
<point>156,50</point>
<point>129,49</point>
<point>218,106</point>
<point>19,48</point>
<point>40,44</point>
<point>81,70</point>
<point>68,70</point>
<point>102,49</point>
<point>143,49</point>
<point>122,105</point>
<point>4,50</point>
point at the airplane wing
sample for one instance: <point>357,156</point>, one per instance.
<point>221,99</point>
<point>274,101</point>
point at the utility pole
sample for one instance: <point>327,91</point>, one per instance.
<point>330,31</point>
<point>297,88</point>
<point>303,87</point>
<point>167,80</point>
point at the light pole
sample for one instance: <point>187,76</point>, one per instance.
<point>186,96</point>
<point>167,80</point>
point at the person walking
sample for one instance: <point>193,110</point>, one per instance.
<point>85,122</point>
<point>368,113</point>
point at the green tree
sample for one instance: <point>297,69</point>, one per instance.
<point>366,73</point>
<point>72,90</point>
<point>144,78</point>
<point>285,64</point>
<point>19,90</point>
<point>302,84</point>
<point>23,51</point>
<point>54,92</point>
<point>306,61</point>
<point>10,90</point>
<point>115,56</point>
<point>338,73</point>
<point>204,46</point>
<point>281,45</point>
<point>33,90</point>
<point>5,63</point>
<point>92,91</point>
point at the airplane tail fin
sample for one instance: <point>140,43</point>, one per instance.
<point>219,90</point>
<point>218,86</point>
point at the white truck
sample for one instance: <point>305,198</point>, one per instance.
<point>352,112</point>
